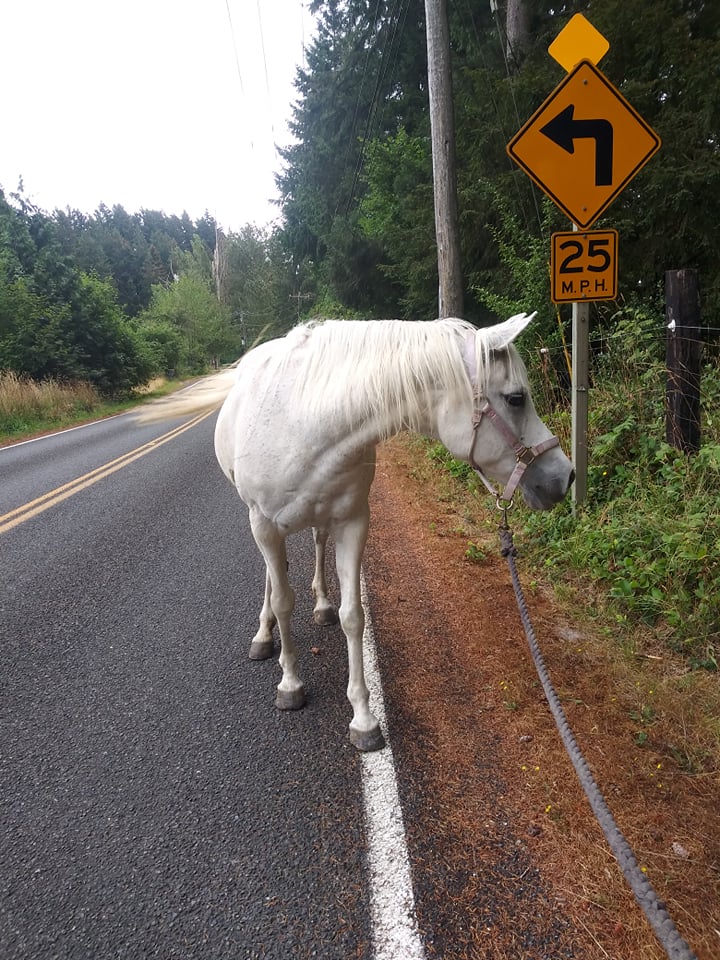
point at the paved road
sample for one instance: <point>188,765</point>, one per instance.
<point>153,803</point>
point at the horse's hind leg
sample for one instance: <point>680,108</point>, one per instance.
<point>262,645</point>
<point>350,541</point>
<point>290,692</point>
<point>324,613</point>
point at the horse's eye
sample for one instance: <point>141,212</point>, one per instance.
<point>515,399</point>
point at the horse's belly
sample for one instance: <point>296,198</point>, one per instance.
<point>300,494</point>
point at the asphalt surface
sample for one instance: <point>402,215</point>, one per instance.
<point>153,802</point>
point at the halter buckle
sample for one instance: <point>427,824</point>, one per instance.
<point>526,455</point>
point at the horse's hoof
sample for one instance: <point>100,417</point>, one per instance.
<point>290,699</point>
<point>325,616</point>
<point>261,649</point>
<point>367,740</point>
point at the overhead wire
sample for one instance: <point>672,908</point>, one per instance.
<point>358,99</point>
<point>233,41</point>
<point>234,46</point>
<point>265,68</point>
<point>504,44</point>
<point>398,12</point>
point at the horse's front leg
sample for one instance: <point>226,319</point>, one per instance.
<point>325,615</point>
<point>262,645</point>
<point>290,691</point>
<point>350,539</point>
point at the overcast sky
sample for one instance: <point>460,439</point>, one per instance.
<point>149,103</point>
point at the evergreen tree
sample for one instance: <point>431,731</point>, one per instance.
<point>364,66</point>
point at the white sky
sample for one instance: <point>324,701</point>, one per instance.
<point>139,102</point>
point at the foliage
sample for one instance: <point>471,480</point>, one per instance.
<point>362,128</point>
<point>647,534</point>
<point>263,293</point>
<point>456,468</point>
<point>397,213</point>
<point>132,251</point>
<point>653,545</point>
<point>365,72</point>
<point>520,280</point>
<point>80,333</point>
<point>186,326</point>
<point>115,298</point>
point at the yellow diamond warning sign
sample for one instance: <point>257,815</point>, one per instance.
<point>578,40</point>
<point>584,144</point>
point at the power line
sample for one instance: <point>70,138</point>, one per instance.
<point>235,49</point>
<point>358,100</point>
<point>267,79</point>
<point>386,56</point>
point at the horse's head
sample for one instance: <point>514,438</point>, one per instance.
<point>504,439</point>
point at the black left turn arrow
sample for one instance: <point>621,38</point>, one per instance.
<point>564,130</point>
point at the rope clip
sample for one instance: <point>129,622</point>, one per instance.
<point>504,505</point>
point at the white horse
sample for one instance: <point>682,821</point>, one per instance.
<point>297,437</point>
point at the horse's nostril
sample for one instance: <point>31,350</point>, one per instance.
<point>572,479</point>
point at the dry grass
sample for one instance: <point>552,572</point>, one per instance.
<point>26,404</point>
<point>30,408</point>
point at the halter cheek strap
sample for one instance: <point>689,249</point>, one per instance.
<point>524,455</point>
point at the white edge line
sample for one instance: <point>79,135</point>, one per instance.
<point>395,930</point>
<point>59,433</point>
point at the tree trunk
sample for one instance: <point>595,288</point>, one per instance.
<point>517,30</point>
<point>442,127</point>
<point>220,267</point>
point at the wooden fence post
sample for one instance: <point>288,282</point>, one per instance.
<point>683,352</point>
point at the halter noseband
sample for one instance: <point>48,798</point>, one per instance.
<point>524,455</point>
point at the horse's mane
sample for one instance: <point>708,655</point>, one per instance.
<point>353,369</point>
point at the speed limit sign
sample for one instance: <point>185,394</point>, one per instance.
<point>583,266</point>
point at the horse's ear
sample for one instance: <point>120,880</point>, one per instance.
<point>503,334</point>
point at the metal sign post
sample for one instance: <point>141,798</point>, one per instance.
<point>580,367</point>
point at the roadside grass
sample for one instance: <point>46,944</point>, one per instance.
<point>646,541</point>
<point>29,408</point>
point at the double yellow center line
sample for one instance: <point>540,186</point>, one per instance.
<point>34,507</point>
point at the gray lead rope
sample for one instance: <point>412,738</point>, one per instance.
<point>665,930</point>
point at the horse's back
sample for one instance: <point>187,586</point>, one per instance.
<point>297,469</point>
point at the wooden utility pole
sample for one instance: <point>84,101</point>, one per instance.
<point>442,127</point>
<point>682,354</point>
<point>220,266</point>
